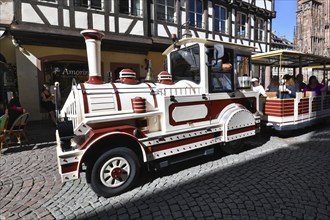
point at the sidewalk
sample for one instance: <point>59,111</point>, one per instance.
<point>40,134</point>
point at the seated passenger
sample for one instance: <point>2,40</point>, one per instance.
<point>314,85</point>
<point>256,87</point>
<point>289,86</point>
<point>300,84</point>
<point>273,86</point>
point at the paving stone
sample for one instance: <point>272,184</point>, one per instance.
<point>282,178</point>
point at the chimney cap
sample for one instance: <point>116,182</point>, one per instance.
<point>92,34</point>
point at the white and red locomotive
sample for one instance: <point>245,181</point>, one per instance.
<point>112,129</point>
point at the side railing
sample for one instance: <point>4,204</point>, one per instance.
<point>72,108</point>
<point>178,91</point>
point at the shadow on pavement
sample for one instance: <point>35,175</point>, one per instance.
<point>40,134</point>
<point>288,182</point>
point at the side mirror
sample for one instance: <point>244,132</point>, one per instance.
<point>216,53</point>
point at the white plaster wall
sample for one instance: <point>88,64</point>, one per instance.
<point>6,12</point>
<point>27,77</point>
<point>29,15</point>
<point>81,19</point>
<point>138,29</point>
<point>260,4</point>
<point>111,24</point>
<point>225,39</point>
<point>50,13</point>
<point>98,22</point>
<point>201,34</point>
<point>268,5</point>
<point>161,30</point>
<point>124,23</point>
<point>173,30</point>
<point>66,18</point>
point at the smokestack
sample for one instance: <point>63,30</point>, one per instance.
<point>93,46</point>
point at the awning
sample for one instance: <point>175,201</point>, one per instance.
<point>289,59</point>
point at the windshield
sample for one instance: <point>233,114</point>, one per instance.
<point>185,64</point>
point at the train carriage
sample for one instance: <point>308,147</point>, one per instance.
<point>307,108</point>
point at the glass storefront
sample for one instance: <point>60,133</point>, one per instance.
<point>63,72</point>
<point>8,84</point>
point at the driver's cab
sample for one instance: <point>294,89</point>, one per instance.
<point>214,67</point>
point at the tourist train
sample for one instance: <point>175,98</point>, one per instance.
<point>202,102</point>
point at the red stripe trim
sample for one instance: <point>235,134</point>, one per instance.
<point>153,95</point>
<point>124,130</point>
<point>85,100</point>
<point>117,96</point>
<point>184,142</point>
<point>67,168</point>
<point>95,80</point>
<point>241,130</point>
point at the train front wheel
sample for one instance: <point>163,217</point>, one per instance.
<point>115,172</point>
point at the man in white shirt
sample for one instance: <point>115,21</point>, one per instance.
<point>256,87</point>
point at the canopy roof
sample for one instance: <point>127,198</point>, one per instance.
<point>289,59</point>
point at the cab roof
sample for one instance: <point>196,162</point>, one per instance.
<point>208,42</point>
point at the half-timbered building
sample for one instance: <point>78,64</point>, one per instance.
<point>41,37</point>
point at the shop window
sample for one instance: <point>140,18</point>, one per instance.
<point>64,72</point>
<point>8,83</point>
<point>165,10</point>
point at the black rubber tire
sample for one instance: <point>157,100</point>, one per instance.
<point>233,147</point>
<point>96,183</point>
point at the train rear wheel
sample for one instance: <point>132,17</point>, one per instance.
<point>115,172</point>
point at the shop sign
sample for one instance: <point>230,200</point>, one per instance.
<point>70,73</point>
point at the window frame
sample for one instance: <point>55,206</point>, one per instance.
<point>89,4</point>
<point>260,30</point>
<point>220,20</point>
<point>49,1</point>
<point>166,16</point>
<point>196,14</point>
<point>223,75</point>
<point>175,76</point>
<point>130,12</point>
<point>239,30</point>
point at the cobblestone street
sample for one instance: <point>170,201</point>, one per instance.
<point>275,178</point>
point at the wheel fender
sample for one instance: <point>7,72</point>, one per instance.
<point>233,120</point>
<point>119,137</point>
